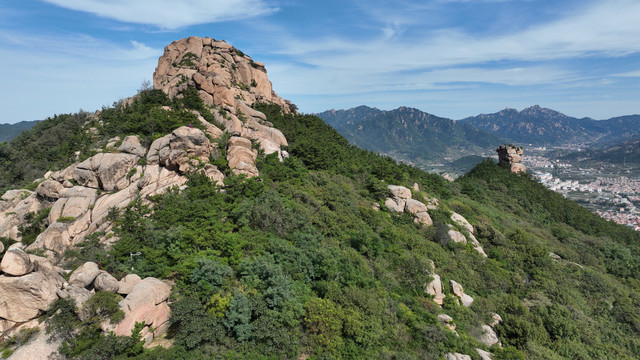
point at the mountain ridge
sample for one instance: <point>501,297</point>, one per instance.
<point>408,132</point>
<point>542,126</point>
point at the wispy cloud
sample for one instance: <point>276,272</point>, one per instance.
<point>444,58</point>
<point>169,14</point>
<point>635,73</point>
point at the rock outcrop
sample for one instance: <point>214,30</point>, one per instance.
<point>457,237</point>
<point>228,80</point>
<point>458,291</point>
<point>25,297</point>
<point>16,262</point>
<point>434,288</point>
<point>447,321</point>
<point>457,356</point>
<point>510,157</point>
<point>489,337</point>
<point>400,201</point>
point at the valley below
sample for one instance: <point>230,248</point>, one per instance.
<point>610,190</point>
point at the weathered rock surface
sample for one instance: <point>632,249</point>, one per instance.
<point>49,189</point>
<point>415,206</point>
<point>180,151</point>
<point>16,262</point>
<point>78,293</point>
<point>106,282</point>
<point>423,218</point>
<point>395,205</point>
<point>399,192</point>
<point>145,303</point>
<point>459,219</point>
<point>24,297</point>
<point>434,288</point>
<point>221,73</point>
<point>401,201</point>
<point>107,171</point>
<point>457,356</point>
<point>131,145</point>
<point>484,355</point>
<point>85,274</point>
<point>489,337</point>
<point>510,156</point>
<point>447,321</point>
<point>126,284</point>
<point>39,347</point>
<point>495,319</point>
<point>456,236</point>
<point>240,157</point>
<point>458,291</point>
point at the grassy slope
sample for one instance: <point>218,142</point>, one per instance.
<point>298,262</point>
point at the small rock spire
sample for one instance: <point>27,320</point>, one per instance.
<point>510,157</point>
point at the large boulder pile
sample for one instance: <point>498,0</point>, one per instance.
<point>81,196</point>
<point>30,284</point>
<point>400,201</point>
<point>510,157</point>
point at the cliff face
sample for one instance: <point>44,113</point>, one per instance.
<point>224,76</point>
<point>228,81</point>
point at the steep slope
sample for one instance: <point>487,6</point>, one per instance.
<point>10,131</point>
<point>327,251</point>
<point>408,134</point>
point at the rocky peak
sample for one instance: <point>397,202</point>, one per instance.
<point>510,156</point>
<point>224,76</point>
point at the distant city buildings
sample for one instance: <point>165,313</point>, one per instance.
<point>617,194</point>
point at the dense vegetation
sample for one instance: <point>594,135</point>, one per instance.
<point>298,263</point>
<point>10,131</point>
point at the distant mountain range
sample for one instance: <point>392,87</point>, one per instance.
<point>10,131</point>
<point>627,153</point>
<point>410,134</point>
<point>414,136</point>
<point>541,126</point>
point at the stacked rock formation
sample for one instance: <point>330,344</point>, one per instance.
<point>510,156</point>
<point>229,81</point>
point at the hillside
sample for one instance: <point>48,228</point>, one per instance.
<point>10,131</point>
<point>626,153</point>
<point>409,134</point>
<point>192,226</point>
<point>545,127</point>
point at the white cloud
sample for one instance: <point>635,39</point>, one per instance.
<point>606,29</point>
<point>635,73</point>
<point>169,14</point>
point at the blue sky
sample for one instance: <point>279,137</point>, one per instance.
<point>452,58</point>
